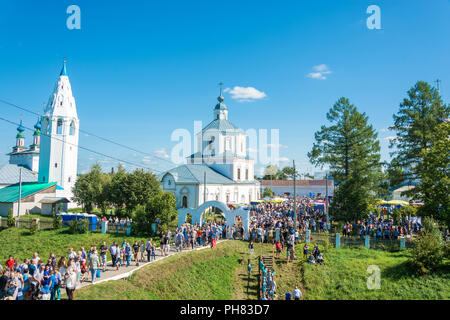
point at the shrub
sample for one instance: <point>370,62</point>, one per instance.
<point>447,250</point>
<point>428,252</point>
<point>326,244</point>
<point>11,221</point>
<point>57,221</point>
<point>78,226</point>
<point>73,226</point>
<point>83,226</point>
<point>33,227</point>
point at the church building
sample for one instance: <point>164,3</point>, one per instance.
<point>221,171</point>
<point>45,173</point>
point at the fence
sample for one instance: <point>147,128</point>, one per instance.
<point>26,223</point>
<point>357,242</point>
<point>48,225</point>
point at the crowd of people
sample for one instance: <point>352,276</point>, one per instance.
<point>35,279</point>
<point>382,227</point>
<point>268,284</point>
<point>268,222</point>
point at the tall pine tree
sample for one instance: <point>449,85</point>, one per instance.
<point>416,125</point>
<point>349,146</point>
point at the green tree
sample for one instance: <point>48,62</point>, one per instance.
<point>11,221</point>
<point>415,124</point>
<point>92,189</point>
<point>161,206</point>
<point>270,172</point>
<point>116,189</point>
<point>428,252</point>
<point>349,146</point>
<point>88,187</point>
<point>267,192</point>
<point>286,173</point>
<point>434,185</point>
<point>395,174</point>
<point>140,187</point>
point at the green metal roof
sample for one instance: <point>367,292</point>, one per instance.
<point>11,193</point>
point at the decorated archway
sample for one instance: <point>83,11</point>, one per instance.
<point>230,215</point>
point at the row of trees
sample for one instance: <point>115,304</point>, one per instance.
<point>134,194</point>
<point>272,172</point>
<point>350,147</point>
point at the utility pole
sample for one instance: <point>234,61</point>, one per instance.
<point>295,198</point>
<point>20,196</point>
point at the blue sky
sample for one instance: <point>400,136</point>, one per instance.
<point>141,69</point>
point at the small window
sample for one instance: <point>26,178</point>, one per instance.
<point>68,179</point>
<point>59,125</point>
<point>72,128</point>
<point>169,182</point>
<point>56,165</point>
<point>239,174</point>
<point>246,174</point>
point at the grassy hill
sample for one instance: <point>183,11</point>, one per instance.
<point>222,274</point>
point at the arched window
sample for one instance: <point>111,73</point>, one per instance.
<point>72,128</point>
<point>239,174</point>
<point>246,174</point>
<point>185,202</point>
<point>59,126</point>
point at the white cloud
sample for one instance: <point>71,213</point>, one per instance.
<point>390,138</point>
<point>320,71</point>
<point>384,130</point>
<point>283,159</point>
<point>162,153</point>
<point>245,94</point>
<point>280,146</point>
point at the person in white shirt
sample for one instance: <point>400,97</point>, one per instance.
<point>297,293</point>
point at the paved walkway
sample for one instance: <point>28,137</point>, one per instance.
<point>124,272</point>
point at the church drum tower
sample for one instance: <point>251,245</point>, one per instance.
<point>59,139</point>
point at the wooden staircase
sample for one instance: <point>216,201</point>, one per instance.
<point>268,261</point>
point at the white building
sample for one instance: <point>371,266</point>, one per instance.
<point>48,168</point>
<point>21,156</point>
<point>223,161</point>
<point>59,142</point>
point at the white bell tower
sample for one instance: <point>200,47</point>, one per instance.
<point>59,139</point>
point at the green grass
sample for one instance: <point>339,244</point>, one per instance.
<point>198,275</point>
<point>344,277</point>
<point>18,242</point>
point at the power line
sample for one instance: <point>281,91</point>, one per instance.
<point>92,134</point>
<point>84,148</point>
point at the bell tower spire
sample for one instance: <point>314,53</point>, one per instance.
<point>59,138</point>
<point>220,110</point>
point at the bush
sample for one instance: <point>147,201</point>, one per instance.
<point>267,192</point>
<point>83,225</point>
<point>78,226</point>
<point>428,252</point>
<point>326,244</point>
<point>11,221</point>
<point>447,250</point>
<point>33,227</point>
<point>57,221</point>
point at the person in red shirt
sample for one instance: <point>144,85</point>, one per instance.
<point>278,248</point>
<point>10,262</point>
